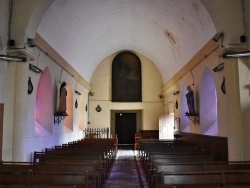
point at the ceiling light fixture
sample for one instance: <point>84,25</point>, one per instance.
<point>13,58</point>
<point>236,54</point>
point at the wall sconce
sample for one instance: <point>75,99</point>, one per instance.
<point>77,92</point>
<point>31,43</point>
<point>13,58</point>
<point>98,109</point>
<point>219,67</point>
<point>91,93</point>
<point>217,36</point>
<point>35,69</point>
<point>223,86</point>
<point>30,86</point>
<point>176,92</point>
<point>236,54</point>
<point>76,104</point>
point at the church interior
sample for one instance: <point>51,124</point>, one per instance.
<point>77,69</point>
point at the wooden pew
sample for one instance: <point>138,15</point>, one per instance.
<point>83,163</point>
<point>232,178</point>
<point>199,156</point>
<point>94,170</point>
<point>192,167</point>
<point>42,178</point>
<point>171,151</point>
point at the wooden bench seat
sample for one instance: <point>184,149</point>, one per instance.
<point>44,178</point>
<point>82,163</point>
<point>94,171</point>
<point>199,156</point>
<point>155,173</point>
<point>206,179</point>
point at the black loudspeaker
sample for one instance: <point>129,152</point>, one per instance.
<point>12,43</point>
<point>242,38</point>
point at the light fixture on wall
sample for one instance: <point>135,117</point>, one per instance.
<point>223,86</point>
<point>236,54</point>
<point>77,92</point>
<point>217,37</point>
<point>91,93</point>
<point>219,67</point>
<point>76,104</point>
<point>30,86</point>
<point>31,42</point>
<point>176,92</point>
<point>13,58</point>
<point>35,69</point>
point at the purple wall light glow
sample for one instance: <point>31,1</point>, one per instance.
<point>208,105</point>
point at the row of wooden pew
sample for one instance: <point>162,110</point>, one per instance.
<point>174,163</point>
<point>83,163</point>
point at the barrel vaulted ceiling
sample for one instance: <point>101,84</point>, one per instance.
<point>168,32</point>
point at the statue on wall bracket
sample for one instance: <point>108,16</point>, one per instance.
<point>191,114</point>
<point>62,100</point>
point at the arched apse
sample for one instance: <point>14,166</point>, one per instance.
<point>208,105</point>
<point>44,104</point>
<point>184,121</point>
<point>68,121</point>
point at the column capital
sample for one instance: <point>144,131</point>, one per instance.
<point>21,52</point>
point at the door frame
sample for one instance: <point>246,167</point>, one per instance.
<point>138,119</point>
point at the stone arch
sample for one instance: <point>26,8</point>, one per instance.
<point>208,104</point>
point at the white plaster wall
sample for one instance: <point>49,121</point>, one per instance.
<point>244,86</point>
<point>57,136</point>
<point>4,17</point>
<point>151,105</point>
<point>195,76</point>
<point>4,6</point>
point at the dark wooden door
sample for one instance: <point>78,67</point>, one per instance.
<point>125,127</point>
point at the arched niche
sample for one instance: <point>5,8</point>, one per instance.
<point>126,78</point>
<point>184,121</point>
<point>208,105</point>
<point>44,104</point>
<point>68,121</point>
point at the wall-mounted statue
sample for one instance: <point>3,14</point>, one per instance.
<point>62,100</point>
<point>190,101</point>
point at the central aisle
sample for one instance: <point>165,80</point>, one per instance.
<point>126,171</point>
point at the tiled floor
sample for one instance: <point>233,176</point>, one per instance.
<point>126,171</point>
